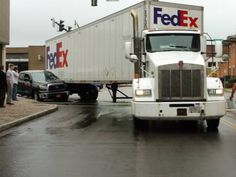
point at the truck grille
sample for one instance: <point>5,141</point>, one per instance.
<point>181,84</point>
<point>58,87</point>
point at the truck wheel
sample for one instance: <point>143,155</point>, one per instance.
<point>94,93</point>
<point>140,124</point>
<point>89,93</point>
<point>64,99</point>
<point>213,123</point>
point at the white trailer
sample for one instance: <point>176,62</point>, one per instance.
<point>166,45</point>
<point>94,53</point>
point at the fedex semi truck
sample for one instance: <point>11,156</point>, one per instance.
<point>159,47</point>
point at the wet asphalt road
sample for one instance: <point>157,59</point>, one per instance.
<point>98,140</point>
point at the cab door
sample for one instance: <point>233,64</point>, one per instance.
<point>27,84</point>
<point>20,87</point>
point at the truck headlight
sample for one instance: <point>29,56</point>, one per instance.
<point>43,87</point>
<point>143,92</point>
<point>215,92</point>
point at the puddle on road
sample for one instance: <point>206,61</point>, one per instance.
<point>54,131</point>
<point>84,123</point>
<point>90,116</point>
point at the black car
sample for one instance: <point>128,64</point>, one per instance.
<point>41,85</point>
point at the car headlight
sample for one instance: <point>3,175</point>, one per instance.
<point>143,92</point>
<point>215,92</point>
<point>43,87</point>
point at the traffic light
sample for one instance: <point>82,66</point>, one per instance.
<point>69,28</point>
<point>94,2</point>
<point>61,25</point>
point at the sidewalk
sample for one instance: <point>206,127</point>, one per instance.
<point>22,111</point>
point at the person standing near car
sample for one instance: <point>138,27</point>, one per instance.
<point>15,83</point>
<point>10,79</point>
<point>3,86</point>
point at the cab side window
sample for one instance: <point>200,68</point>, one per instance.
<point>26,77</point>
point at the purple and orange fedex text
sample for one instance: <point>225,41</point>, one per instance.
<point>181,18</point>
<point>57,59</point>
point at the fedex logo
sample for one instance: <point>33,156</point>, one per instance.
<point>57,59</point>
<point>182,18</point>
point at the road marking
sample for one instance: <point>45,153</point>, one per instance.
<point>232,125</point>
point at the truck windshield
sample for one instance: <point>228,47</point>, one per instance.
<point>173,42</point>
<point>44,76</point>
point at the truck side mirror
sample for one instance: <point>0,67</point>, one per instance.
<point>203,44</point>
<point>128,53</point>
<point>203,41</point>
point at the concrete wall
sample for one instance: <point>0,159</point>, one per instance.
<point>4,28</point>
<point>1,54</point>
<point>17,50</point>
<point>16,55</point>
<point>4,21</point>
<point>36,57</point>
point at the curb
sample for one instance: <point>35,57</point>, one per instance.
<point>27,118</point>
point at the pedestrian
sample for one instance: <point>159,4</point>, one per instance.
<point>15,83</point>
<point>232,92</point>
<point>3,86</point>
<point>10,78</point>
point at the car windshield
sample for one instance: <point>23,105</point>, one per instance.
<point>44,76</point>
<point>173,42</point>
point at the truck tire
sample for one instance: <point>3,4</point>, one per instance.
<point>213,123</point>
<point>89,93</point>
<point>140,124</point>
<point>64,99</point>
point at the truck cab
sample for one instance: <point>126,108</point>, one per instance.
<point>173,84</point>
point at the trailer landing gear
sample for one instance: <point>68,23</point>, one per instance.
<point>113,89</point>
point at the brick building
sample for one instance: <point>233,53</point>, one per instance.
<point>4,28</point>
<point>210,55</point>
<point>228,66</point>
<point>26,58</point>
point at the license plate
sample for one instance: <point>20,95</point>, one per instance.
<point>181,112</point>
<point>195,109</point>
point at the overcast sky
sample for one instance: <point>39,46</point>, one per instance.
<point>31,25</point>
